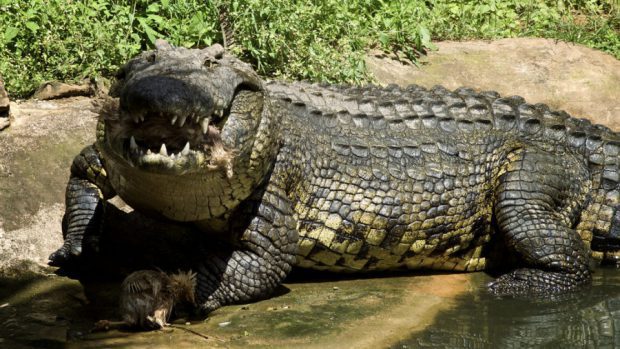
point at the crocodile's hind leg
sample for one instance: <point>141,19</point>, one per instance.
<point>538,198</point>
<point>87,187</point>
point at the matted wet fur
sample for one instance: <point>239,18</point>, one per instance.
<point>184,282</point>
<point>148,297</point>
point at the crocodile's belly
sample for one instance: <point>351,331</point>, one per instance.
<point>432,216</point>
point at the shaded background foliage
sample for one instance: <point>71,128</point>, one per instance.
<point>323,40</point>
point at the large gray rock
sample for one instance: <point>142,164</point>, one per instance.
<point>56,90</point>
<point>37,151</point>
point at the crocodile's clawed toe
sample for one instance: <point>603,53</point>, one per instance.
<point>64,256</point>
<point>208,307</point>
<point>497,287</point>
<point>508,285</point>
<point>58,258</point>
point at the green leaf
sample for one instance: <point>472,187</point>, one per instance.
<point>384,39</point>
<point>153,8</point>
<point>32,26</point>
<point>157,19</point>
<point>151,33</point>
<point>425,36</point>
<point>9,34</point>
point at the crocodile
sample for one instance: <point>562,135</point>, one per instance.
<point>348,179</point>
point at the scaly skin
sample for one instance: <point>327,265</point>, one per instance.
<point>347,179</point>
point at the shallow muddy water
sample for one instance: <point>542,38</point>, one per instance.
<point>43,310</point>
<point>589,318</point>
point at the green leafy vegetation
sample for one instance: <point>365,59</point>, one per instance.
<point>322,40</point>
<point>68,40</point>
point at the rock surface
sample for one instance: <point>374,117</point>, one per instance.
<point>38,308</point>
<point>37,151</point>
<point>57,89</point>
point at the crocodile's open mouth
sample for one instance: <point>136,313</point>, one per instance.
<point>168,142</point>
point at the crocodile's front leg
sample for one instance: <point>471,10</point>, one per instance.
<point>87,187</point>
<point>259,262</point>
<point>535,208</point>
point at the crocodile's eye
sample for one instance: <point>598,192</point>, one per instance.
<point>151,58</point>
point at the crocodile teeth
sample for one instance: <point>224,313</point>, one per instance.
<point>182,121</point>
<point>149,152</point>
<point>204,124</point>
<point>185,150</point>
<point>163,150</point>
<point>132,144</point>
<point>174,120</point>
<point>141,117</point>
<point>173,156</point>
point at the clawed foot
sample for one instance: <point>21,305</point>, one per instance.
<point>208,306</point>
<point>74,250</point>
<point>508,284</point>
<point>535,282</point>
<point>65,255</point>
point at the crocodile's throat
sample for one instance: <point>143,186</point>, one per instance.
<point>166,142</point>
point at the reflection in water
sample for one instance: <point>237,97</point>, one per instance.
<point>589,318</point>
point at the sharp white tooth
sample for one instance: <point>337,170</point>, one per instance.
<point>182,122</point>
<point>163,150</point>
<point>185,150</point>
<point>174,120</point>
<point>132,144</point>
<point>173,156</point>
<point>141,118</point>
<point>204,124</point>
<point>149,152</point>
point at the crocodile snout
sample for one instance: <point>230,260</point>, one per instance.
<point>164,96</point>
